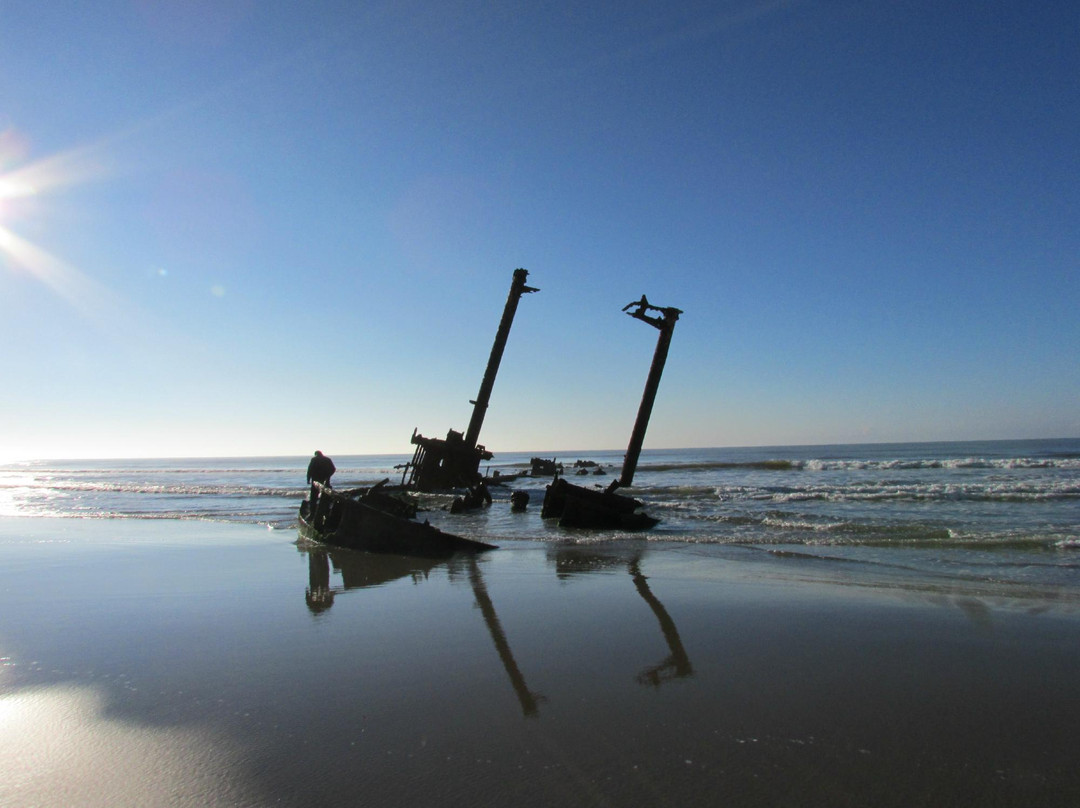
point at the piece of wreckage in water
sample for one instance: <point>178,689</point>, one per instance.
<point>588,467</point>
<point>439,464</point>
<point>542,467</point>
<point>577,506</point>
<point>378,521</point>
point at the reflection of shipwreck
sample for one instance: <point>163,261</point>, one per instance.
<point>576,506</point>
<point>366,570</point>
<point>677,664</point>
<point>454,462</point>
<point>530,701</point>
<point>358,571</point>
<point>577,560</point>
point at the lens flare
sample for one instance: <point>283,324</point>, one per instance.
<point>22,186</point>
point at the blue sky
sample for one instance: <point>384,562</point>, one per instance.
<point>240,228</point>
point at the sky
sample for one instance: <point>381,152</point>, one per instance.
<point>231,228</point>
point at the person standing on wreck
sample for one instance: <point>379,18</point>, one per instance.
<point>319,470</point>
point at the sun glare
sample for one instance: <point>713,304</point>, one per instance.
<point>12,189</point>
<point>17,187</point>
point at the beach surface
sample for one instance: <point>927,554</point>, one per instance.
<point>157,662</point>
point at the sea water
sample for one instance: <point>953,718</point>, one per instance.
<point>847,625</point>
<point>993,510</point>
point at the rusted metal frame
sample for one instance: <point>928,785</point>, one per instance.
<point>665,323</point>
<point>480,405</point>
<point>456,461</point>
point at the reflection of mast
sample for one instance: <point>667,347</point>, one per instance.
<point>571,560</point>
<point>529,701</point>
<point>677,665</point>
<point>362,570</point>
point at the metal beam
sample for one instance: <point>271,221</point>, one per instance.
<point>666,325</point>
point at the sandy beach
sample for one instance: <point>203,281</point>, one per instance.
<point>170,663</point>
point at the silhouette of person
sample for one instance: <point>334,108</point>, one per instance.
<point>319,470</point>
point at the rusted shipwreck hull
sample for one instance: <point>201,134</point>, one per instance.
<point>577,506</point>
<point>376,521</point>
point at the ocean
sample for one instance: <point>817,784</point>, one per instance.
<point>1002,512</point>
<point>812,626</point>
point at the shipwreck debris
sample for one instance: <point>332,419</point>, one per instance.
<point>454,462</point>
<point>576,506</point>
<point>665,323</point>
<point>477,496</point>
<point>542,467</point>
<point>377,520</point>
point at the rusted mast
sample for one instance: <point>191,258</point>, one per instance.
<point>517,289</point>
<point>666,325</point>
<point>455,461</point>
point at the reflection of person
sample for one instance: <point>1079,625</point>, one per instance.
<point>319,595</point>
<point>319,470</point>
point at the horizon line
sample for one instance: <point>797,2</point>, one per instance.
<point>538,453</point>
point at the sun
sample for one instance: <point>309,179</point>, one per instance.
<point>11,192</point>
<point>23,183</point>
<point>22,186</point>
<point>13,185</point>
<point>8,191</point>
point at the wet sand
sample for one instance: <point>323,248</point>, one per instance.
<point>181,663</point>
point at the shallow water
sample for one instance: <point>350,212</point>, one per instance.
<point>995,511</point>
<point>187,663</point>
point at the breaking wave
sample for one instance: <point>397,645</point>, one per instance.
<point>1023,496</point>
<point>1064,462</point>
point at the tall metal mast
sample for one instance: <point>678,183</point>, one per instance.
<point>517,289</point>
<point>666,325</point>
<point>455,461</point>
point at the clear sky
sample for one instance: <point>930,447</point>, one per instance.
<point>240,228</point>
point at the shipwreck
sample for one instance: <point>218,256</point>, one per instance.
<point>578,506</point>
<point>454,461</point>
<point>377,520</point>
